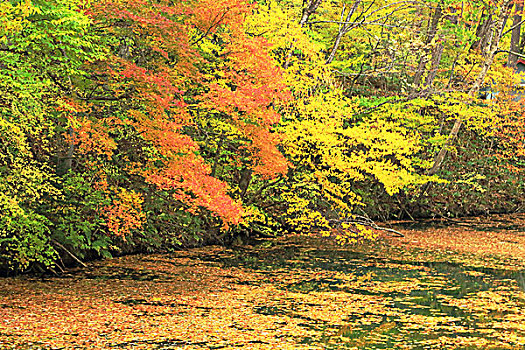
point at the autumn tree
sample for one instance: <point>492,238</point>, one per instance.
<point>131,101</point>
<point>154,123</point>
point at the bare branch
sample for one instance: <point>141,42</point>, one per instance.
<point>513,27</point>
<point>205,34</point>
<point>365,221</point>
<point>69,253</point>
<point>362,23</point>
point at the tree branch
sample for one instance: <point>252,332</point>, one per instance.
<point>69,253</point>
<point>365,221</point>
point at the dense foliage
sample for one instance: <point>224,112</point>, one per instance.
<point>149,124</point>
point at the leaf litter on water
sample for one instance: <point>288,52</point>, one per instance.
<point>293,293</point>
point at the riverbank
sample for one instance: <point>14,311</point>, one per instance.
<point>453,287</point>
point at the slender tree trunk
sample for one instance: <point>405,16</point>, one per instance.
<point>217,156</point>
<point>440,157</point>
<point>307,12</point>
<point>483,31</point>
<point>68,162</point>
<point>437,52</point>
<point>522,42</point>
<point>516,35</point>
<point>432,30</point>
<point>343,29</point>
<point>335,47</point>
<point>489,53</point>
<point>244,181</point>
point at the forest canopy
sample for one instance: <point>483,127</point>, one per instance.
<point>151,124</point>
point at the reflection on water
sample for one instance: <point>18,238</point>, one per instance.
<point>392,298</point>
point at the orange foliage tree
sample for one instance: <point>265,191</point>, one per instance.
<point>172,66</point>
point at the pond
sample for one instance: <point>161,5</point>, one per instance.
<point>394,300</point>
<point>286,293</point>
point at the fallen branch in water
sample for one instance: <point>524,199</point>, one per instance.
<point>364,221</point>
<point>458,222</point>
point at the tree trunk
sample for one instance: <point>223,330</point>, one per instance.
<point>482,32</point>
<point>343,28</point>
<point>68,163</point>
<point>244,181</point>
<point>307,12</point>
<point>516,35</point>
<point>436,60</point>
<point>489,53</point>
<point>432,30</point>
